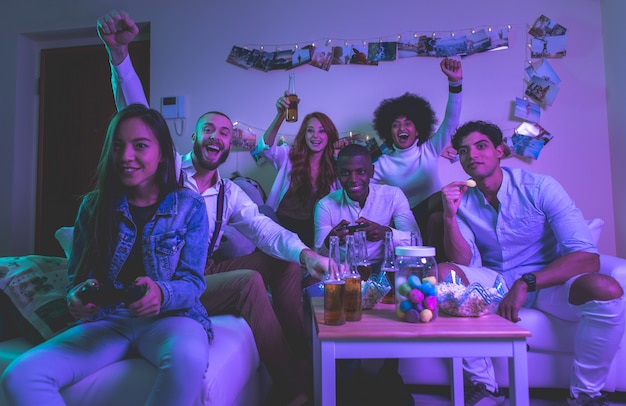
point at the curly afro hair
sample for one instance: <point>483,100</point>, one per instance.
<point>411,106</point>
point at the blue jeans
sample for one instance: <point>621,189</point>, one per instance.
<point>176,345</point>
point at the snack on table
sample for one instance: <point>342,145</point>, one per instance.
<point>474,300</point>
<point>373,290</point>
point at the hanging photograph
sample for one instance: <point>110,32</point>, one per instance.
<point>408,48</point>
<point>341,55</point>
<point>451,46</point>
<point>261,60</point>
<point>301,56</point>
<point>545,27</point>
<point>527,110</point>
<point>542,91</point>
<point>544,70</point>
<point>239,56</point>
<point>381,51</point>
<point>243,139</point>
<point>322,56</point>
<point>358,55</point>
<point>281,60</point>
<point>478,42</point>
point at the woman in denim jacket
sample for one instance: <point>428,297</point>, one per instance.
<point>130,295</point>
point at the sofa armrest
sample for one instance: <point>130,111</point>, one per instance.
<point>615,267</point>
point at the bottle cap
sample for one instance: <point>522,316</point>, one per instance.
<point>411,251</point>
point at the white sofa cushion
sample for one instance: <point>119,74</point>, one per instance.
<point>235,375</point>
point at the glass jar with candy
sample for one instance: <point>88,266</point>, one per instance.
<point>416,284</point>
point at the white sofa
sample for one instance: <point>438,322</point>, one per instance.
<point>550,350</point>
<point>32,307</point>
<point>235,375</point>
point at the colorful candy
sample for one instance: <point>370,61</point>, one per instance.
<point>404,289</point>
<point>417,304</point>
<point>414,281</point>
<point>412,316</point>
<point>415,296</point>
<point>426,315</point>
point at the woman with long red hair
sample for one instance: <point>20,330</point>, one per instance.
<point>306,170</point>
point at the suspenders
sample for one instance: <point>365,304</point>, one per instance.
<point>219,215</point>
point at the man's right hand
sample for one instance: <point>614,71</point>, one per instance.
<point>451,195</point>
<point>116,30</point>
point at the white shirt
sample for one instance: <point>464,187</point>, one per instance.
<point>239,210</point>
<point>385,205</point>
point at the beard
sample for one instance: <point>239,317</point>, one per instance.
<point>198,151</point>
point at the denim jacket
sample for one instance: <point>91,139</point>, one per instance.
<point>174,247</point>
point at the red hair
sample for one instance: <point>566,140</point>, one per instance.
<point>300,177</point>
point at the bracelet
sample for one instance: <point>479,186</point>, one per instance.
<point>455,89</point>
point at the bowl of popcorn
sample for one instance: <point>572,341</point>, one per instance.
<point>475,300</point>
<point>373,290</point>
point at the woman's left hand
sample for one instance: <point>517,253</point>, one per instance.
<point>452,69</point>
<point>150,303</point>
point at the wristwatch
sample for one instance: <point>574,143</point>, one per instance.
<point>531,281</point>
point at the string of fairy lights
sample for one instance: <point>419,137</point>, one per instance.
<point>497,31</point>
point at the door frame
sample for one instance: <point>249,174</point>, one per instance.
<point>25,148</point>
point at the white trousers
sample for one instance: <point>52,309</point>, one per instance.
<point>600,329</point>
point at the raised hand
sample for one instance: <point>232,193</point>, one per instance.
<point>452,69</point>
<point>116,30</point>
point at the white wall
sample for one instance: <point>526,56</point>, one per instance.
<point>191,40</point>
<point>613,12</point>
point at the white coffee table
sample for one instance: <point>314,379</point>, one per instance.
<point>380,334</point>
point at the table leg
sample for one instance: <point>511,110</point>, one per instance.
<point>457,382</point>
<point>328,372</point>
<point>317,367</point>
<point>518,375</point>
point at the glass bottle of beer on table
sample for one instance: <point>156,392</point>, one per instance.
<point>389,268</point>
<point>352,300</point>
<point>334,288</point>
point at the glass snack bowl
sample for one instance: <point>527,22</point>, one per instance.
<point>456,299</point>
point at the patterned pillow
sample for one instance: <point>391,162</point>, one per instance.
<point>35,286</point>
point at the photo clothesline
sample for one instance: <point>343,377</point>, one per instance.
<point>546,39</point>
<point>325,53</point>
<point>381,38</point>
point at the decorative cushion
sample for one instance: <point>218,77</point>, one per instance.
<point>595,226</point>
<point>65,236</point>
<point>35,286</point>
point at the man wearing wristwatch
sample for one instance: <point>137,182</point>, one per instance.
<point>525,227</point>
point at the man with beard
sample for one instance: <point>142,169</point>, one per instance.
<point>234,285</point>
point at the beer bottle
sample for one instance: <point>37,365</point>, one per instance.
<point>388,268</point>
<point>292,110</point>
<point>334,288</point>
<point>352,277</point>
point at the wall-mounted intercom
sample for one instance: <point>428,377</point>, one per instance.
<point>173,107</point>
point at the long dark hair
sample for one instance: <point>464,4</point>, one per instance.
<point>300,177</point>
<point>101,227</point>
